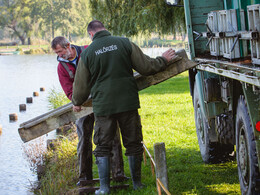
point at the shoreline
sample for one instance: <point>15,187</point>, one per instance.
<point>45,49</point>
<point>21,50</point>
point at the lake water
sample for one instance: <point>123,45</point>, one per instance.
<point>20,76</point>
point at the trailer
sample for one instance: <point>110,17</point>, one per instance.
<point>224,39</point>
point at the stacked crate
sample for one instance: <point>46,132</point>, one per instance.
<point>225,21</point>
<point>254,25</point>
<point>215,44</point>
<point>228,22</point>
<point>243,28</point>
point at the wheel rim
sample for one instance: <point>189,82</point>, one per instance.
<point>200,127</point>
<point>243,157</point>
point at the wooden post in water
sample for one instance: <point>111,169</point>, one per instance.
<point>42,89</point>
<point>29,100</point>
<point>160,161</point>
<point>13,117</point>
<point>22,107</point>
<point>35,93</point>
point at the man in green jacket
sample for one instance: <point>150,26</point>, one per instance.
<point>105,71</point>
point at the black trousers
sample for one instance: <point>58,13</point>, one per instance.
<point>131,130</point>
<point>84,149</point>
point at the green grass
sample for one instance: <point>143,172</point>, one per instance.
<point>57,98</point>
<point>167,116</point>
<point>162,42</point>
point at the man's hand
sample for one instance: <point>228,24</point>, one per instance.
<point>76,108</point>
<point>169,54</point>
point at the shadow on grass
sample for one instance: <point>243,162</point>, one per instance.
<point>187,174</point>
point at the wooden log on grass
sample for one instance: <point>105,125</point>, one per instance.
<point>63,115</point>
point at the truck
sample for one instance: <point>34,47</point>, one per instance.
<point>224,41</point>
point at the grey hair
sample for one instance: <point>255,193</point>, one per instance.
<point>62,41</point>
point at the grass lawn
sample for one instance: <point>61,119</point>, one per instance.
<point>167,116</point>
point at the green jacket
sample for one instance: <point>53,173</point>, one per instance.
<point>105,71</point>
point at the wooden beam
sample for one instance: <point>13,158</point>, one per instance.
<point>49,121</point>
<point>63,115</point>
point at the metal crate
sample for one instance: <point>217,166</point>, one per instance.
<point>243,28</point>
<point>254,25</point>
<point>215,45</point>
<point>228,22</point>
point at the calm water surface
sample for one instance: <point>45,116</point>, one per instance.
<point>20,76</point>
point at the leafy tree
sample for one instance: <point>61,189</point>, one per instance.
<point>16,16</point>
<point>26,18</point>
<point>67,16</point>
<point>131,17</point>
<point>45,18</point>
<point>49,15</point>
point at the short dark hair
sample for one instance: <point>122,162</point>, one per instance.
<point>62,41</point>
<point>95,25</point>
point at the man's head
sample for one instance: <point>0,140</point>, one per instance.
<point>61,46</point>
<point>94,27</point>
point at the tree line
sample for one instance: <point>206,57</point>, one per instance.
<point>46,19</point>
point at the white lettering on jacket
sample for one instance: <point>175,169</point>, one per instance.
<point>106,49</point>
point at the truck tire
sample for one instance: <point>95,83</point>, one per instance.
<point>225,128</point>
<point>247,162</point>
<point>211,152</point>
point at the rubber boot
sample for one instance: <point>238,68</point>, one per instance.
<point>135,170</point>
<point>103,164</point>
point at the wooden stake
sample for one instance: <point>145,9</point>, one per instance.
<point>29,100</point>
<point>35,93</point>
<point>160,161</point>
<point>42,89</point>
<point>13,117</point>
<point>22,107</point>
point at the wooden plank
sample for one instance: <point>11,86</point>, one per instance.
<point>178,66</point>
<point>49,121</point>
<point>52,120</point>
